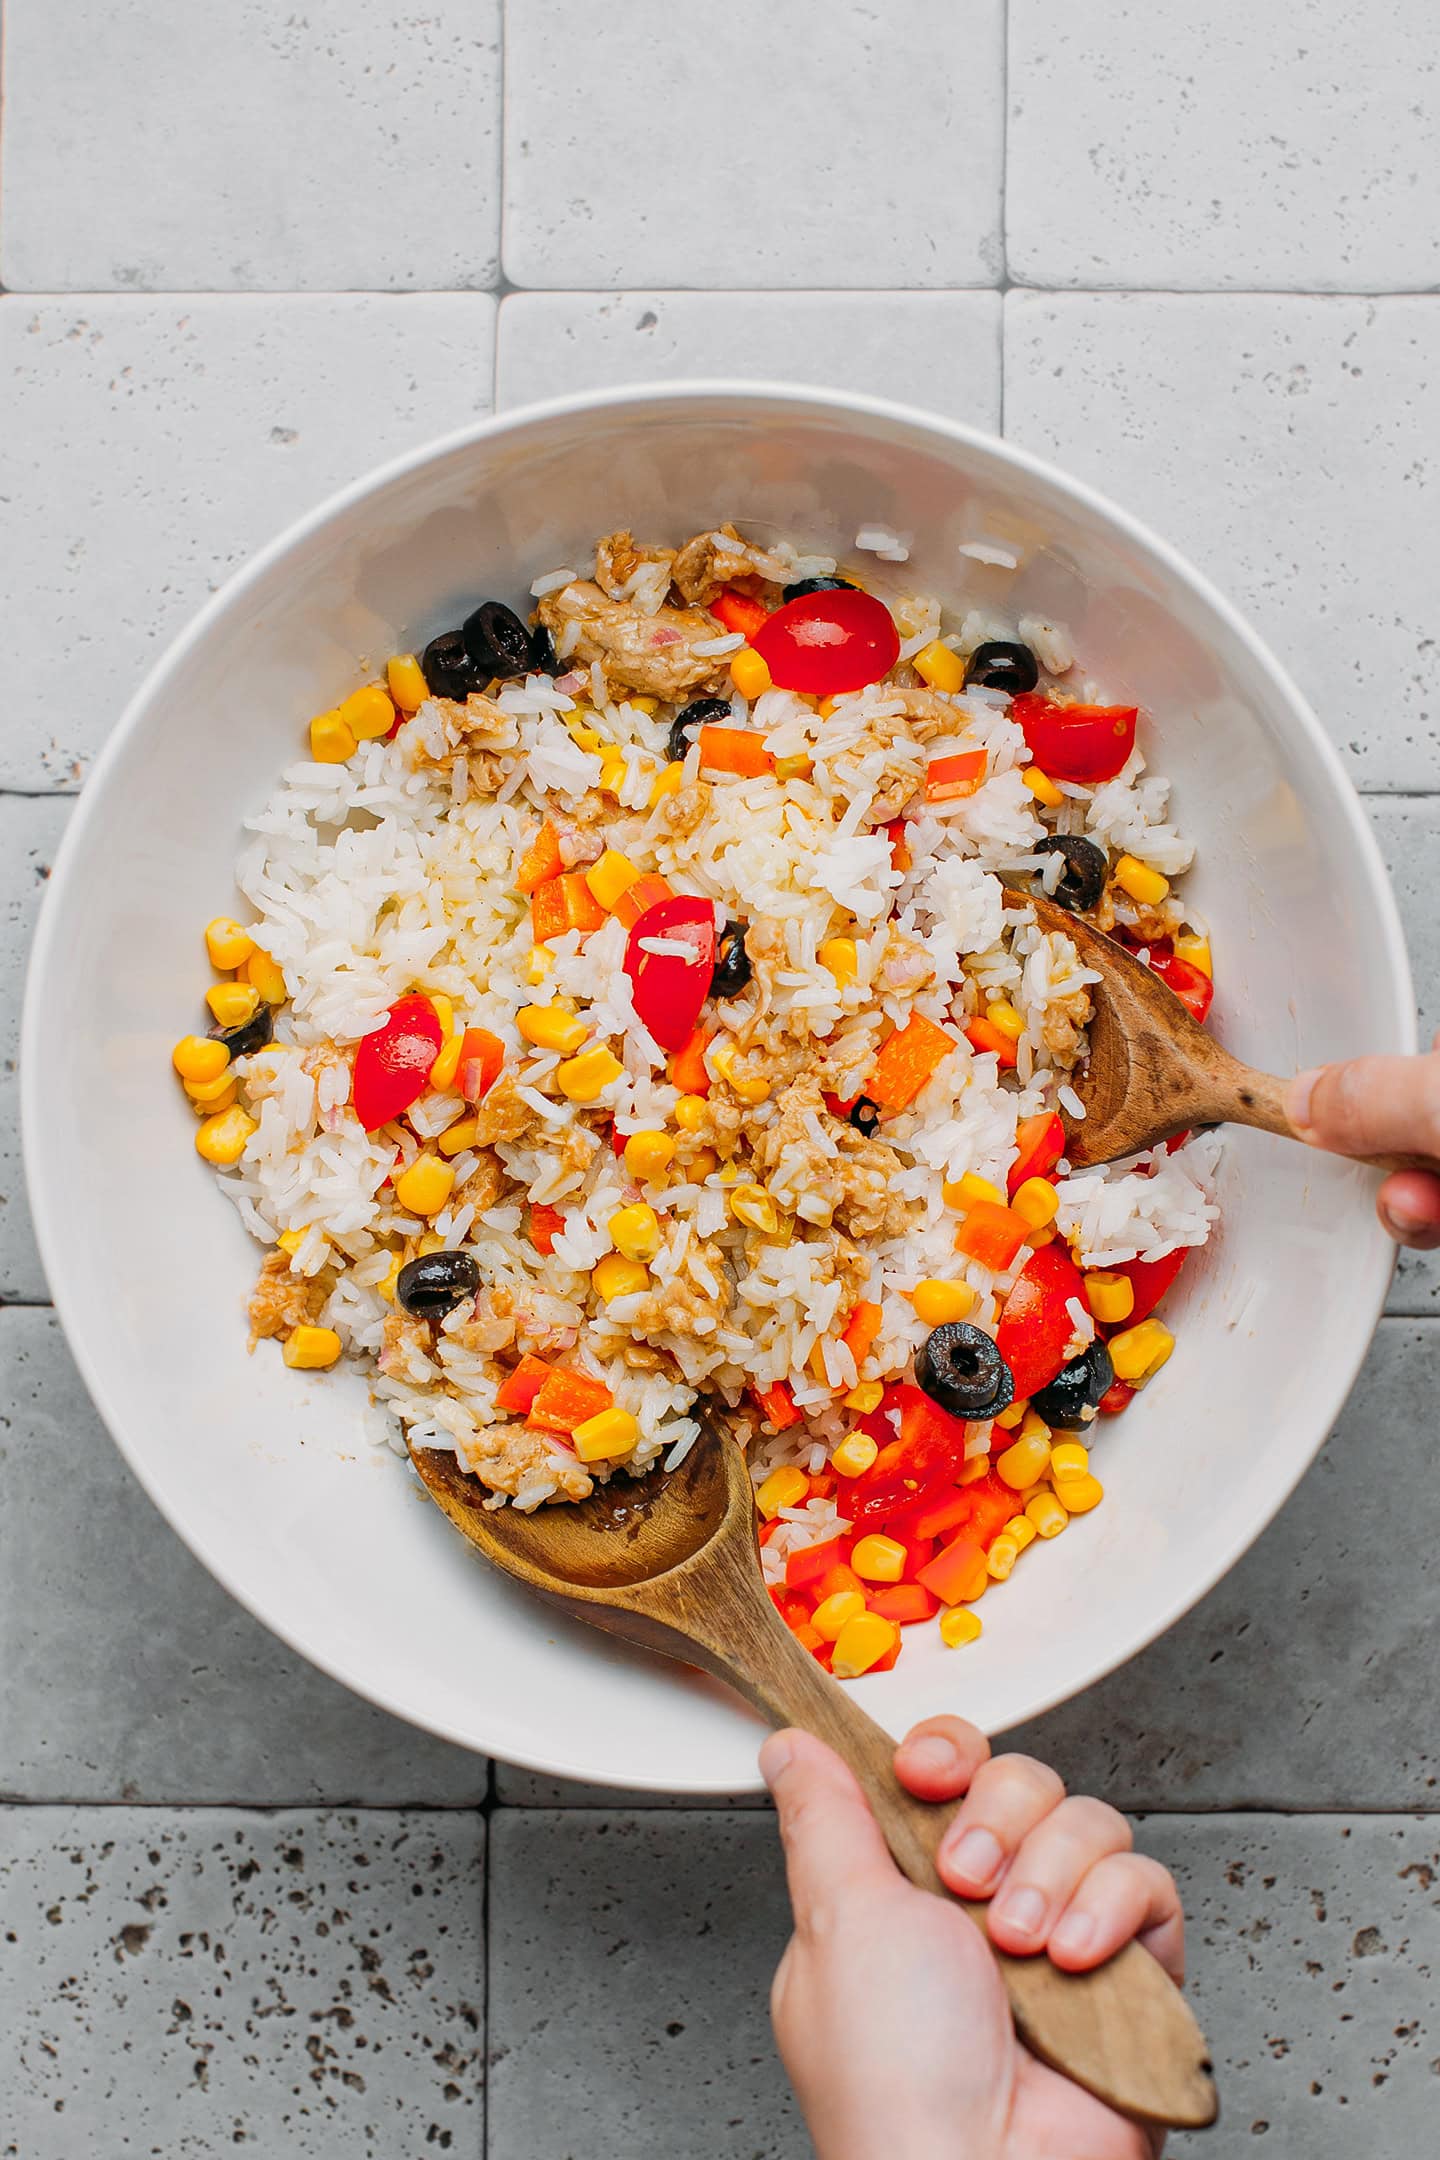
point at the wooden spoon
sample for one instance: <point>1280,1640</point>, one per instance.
<point>672,1563</point>
<point>1152,1070</point>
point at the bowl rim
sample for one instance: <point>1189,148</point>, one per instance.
<point>1368,1301</point>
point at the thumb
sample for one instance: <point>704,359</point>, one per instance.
<point>1369,1106</point>
<point>833,1845</point>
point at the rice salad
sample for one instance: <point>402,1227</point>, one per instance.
<point>631,1009</point>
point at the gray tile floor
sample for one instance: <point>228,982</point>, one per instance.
<point>237,1906</point>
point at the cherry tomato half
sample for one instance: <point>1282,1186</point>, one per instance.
<point>1150,1279</point>
<point>393,1064</point>
<point>1190,984</point>
<point>670,988</point>
<point>825,643</point>
<point>1076,742</point>
<point>1035,1323</point>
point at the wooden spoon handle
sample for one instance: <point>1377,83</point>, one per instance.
<point>1243,1096</point>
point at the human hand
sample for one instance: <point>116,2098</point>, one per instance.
<point>1380,1106</point>
<point>889,2010</point>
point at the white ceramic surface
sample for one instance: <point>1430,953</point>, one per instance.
<point>263,1472</point>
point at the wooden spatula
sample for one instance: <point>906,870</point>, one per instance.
<point>1152,1070</point>
<point>672,1563</point>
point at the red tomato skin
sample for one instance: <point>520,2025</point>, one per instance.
<point>392,1065</point>
<point>826,643</point>
<point>1035,1325</point>
<point>1150,1279</point>
<point>669,991</point>
<point>1076,742</point>
<point>1190,984</point>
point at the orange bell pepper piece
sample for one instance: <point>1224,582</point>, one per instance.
<point>481,1057</point>
<point>739,611</point>
<point>646,892</point>
<point>905,1603</point>
<point>545,1225</point>
<point>542,859</point>
<point>566,1400</point>
<point>947,779</point>
<point>517,1391</point>
<point>900,857</point>
<point>804,1568</point>
<point>861,1329</point>
<point>992,1235</point>
<point>564,903</point>
<point>685,1068</point>
<point>982,1034</point>
<point>907,1059</point>
<point>735,750</point>
<point>955,1572</point>
<point>777,1404</point>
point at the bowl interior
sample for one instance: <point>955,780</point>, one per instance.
<point>265,1473</point>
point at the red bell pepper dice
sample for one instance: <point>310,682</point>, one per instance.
<point>739,611</point>
<point>905,1603</point>
<point>777,1405</point>
<point>546,1223</point>
<point>1076,742</point>
<point>1149,1279</point>
<point>1035,1322</point>
<point>992,1503</point>
<point>810,1562</point>
<point>392,1066</point>
<point>1041,1141</point>
<point>481,1057</point>
<point>949,779</point>
<point>955,1571</point>
<point>983,1035</point>
<point>670,988</point>
<point>1190,984</point>
<point>826,643</point>
<point>921,1447</point>
<point>517,1391</point>
<point>992,1235</point>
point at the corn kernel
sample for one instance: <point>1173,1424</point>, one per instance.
<point>368,713</point>
<point>798,767</point>
<point>607,879</point>
<point>1009,1419</point>
<point>702,1164</point>
<point>753,1206</point>
<point>311,1349</point>
<point>1137,1353</point>
<point>1003,1015</point>
<point>406,682</point>
<point>1020,1531</point>
<point>615,1276</point>
<point>691,1112</point>
<point>1111,1298</point>
<point>290,1241</point>
<point>938,1303</point>
<point>227,943</point>
<point>609,1433</point>
<point>667,781</point>
<point>459,1136</point>
<point>1195,950</point>
<point>430,1241</point>
<point>331,739</point>
<point>836,1612</point>
<point>648,1155</point>
<point>854,1455</point>
<point>1037,1201</point>
<point>865,1396</point>
<point>1042,787</point>
<point>648,705</point>
<point>1024,1464</point>
<point>551,1027</point>
<point>613,771</point>
<point>750,1090</point>
<point>840,956</point>
<point>862,1642</point>
<point>1077,1495</point>
<point>207,1094</point>
<point>425,1187</point>
<point>1141,882</point>
<point>959,1626</point>
<point>1047,1514</point>
<point>785,1487</point>
<point>878,1558</point>
<point>1068,1459</point>
<point>221,1139</point>
<point>387,1282</point>
<point>447,1063</point>
<point>267,978</point>
<point>972,1469</point>
<point>584,1079</point>
<point>1033,1426</point>
<point>635,1231</point>
<point>968,1191</point>
<point>444,1011</point>
<point>199,1058</point>
<point>1000,1558</point>
<point>749,673</point>
<point>585,738</point>
<point>937,665</point>
<point>233,1003</point>
<point>538,966</point>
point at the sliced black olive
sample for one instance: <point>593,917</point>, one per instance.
<point>544,660</point>
<point>1083,879</point>
<point>437,1281</point>
<point>732,962</point>
<point>1073,1396</point>
<point>252,1034</point>
<point>497,641</point>
<point>700,712</point>
<point>449,670</point>
<point>999,665</point>
<point>960,1367</point>
<point>864,1115</point>
<point>798,590</point>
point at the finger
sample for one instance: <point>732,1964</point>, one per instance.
<point>1408,1205</point>
<point>938,1758</point>
<point>1048,1868</point>
<point>1124,1896</point>
<point>1008,1796</point>
<point>833,1847</point>
<point>1369,1106</point>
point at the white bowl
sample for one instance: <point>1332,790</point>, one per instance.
<point>264,1473</point>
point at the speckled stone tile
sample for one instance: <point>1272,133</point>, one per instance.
<point>151,445</point>
<point>30,831</point>
<point>1289,446</point>
<point>1156,143</point>
<point>648,1942</point>
<point>940,350</point>
<point>842,145</point>
<point>126,1673</point>
<point>1306,1678</point>
<point>248,148</point>
<point>1408,829</point>
<point>183,1984</point>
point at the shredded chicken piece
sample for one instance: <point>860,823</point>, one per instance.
<point>686,810</point>
<point>406,1343</point>
<point>500,1115</point>
<point>715,559</point>
<point>489,1328</point>
<point>618,556</point>
<point>505,1457</point>
<point>281,1301</point>
<point>1065,1022</point>
<point>685,1307</point>
<point>928,712</point>
<point>641,1358</point>
<point>907,966</point>
<point>649,653</point>
<point>581,836</point>
<point>483,1187</point>
<point>869,1206</point>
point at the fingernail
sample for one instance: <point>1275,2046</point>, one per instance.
<point>1023,1911</point>
<point>1074,1935</point>
<point>775,1759</point>
<point>1403,1222</point>
<point>1297,1097</point>
<point>934,1753</point>
<point>975,1856</point>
